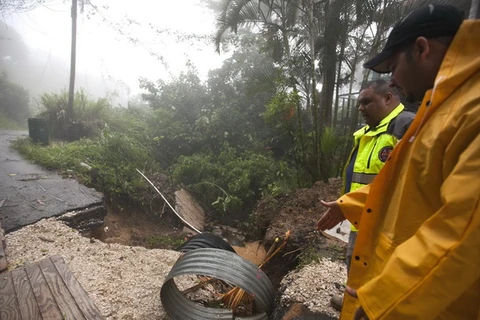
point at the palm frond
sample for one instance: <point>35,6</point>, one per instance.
<point>262,79</point>
<point>274,40</point>
<point>233,14</point>
<point>399,9</point>
<point>292,13</point>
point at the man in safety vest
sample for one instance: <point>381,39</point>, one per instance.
<point>386,121</point>
<point>418,247</point>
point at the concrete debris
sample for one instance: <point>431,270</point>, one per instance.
<point>314,285</point>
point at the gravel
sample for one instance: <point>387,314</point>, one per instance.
<point>125,281</point>
<point>314,285</point>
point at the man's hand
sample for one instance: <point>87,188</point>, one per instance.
<point>360,313</point>
<point>332,217</point>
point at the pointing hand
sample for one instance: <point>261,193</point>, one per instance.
<point>331,217</point>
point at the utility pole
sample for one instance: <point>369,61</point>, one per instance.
<point>71,89</point>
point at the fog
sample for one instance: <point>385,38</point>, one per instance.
<point>38,71</point>
<point>117,43</point>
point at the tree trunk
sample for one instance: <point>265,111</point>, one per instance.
<point>339,67</point>
<point>473,10</point>
<point>71,89</point>
<point>316,134</point>
<point>330,57</point>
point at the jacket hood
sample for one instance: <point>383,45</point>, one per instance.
<point>461,61</point>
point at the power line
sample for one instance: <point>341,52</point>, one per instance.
<point>28,16</point>
<point>132,39</point>
<point>62,11</point>
<point>44,67</point>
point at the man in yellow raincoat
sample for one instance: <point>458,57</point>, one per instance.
<point>418,249</point>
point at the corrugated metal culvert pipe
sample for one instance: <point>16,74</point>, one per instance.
<point>205,240</point>
<point>222,265</point>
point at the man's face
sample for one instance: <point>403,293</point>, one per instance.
<point>409,73</point>
<point>372,106</point>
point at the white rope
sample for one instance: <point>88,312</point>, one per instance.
<point>181,218</point>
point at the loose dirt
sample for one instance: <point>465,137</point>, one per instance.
<point>133,227</point>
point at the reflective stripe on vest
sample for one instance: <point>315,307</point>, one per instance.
<point>363,178</point>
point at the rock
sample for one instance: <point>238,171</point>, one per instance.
<point>3,248</point>
<point>298,311</point>
<point>86,219</point>
<point>189,209</point>
<point>86,166</point>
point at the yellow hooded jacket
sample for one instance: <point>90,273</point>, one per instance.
<point>417,254</point>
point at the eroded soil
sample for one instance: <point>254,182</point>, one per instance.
<point>295,213</point>
<point>134,227</point>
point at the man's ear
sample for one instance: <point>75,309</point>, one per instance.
<point>388,97</point>
<point>421,48</point>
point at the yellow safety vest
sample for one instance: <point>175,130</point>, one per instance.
<point>374,146</point>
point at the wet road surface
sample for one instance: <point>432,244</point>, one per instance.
<point>29,193</point>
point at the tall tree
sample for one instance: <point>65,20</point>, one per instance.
<point>329,63</point>
<point>318,43</point>
<point>73,57</point>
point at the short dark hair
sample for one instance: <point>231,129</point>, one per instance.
<point>408,48</point>
<point>380,87</point>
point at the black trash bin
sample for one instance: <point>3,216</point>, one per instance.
<point>38,130</point>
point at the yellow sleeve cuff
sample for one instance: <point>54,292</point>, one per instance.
<point>352,204</point>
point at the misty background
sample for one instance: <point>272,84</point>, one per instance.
<point>117,43</point>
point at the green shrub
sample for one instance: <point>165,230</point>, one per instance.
<point>232,182</point>
<point>91,113</point>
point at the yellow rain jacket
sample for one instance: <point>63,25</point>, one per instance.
<point>417,254</point>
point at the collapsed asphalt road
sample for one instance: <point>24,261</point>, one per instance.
<point>29,193</point>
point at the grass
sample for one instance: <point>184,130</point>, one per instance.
<point>108,164</point>
<point>56,156</point>
<point>314,252</point>
<point>308,256</point>
<point>166,241</point>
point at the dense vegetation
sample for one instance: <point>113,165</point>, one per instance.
<point>216,138</point>
<point>277,115</point>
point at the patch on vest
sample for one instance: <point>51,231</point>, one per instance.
<point>384,153</point>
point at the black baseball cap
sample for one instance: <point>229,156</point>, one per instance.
<point>430,21</point>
